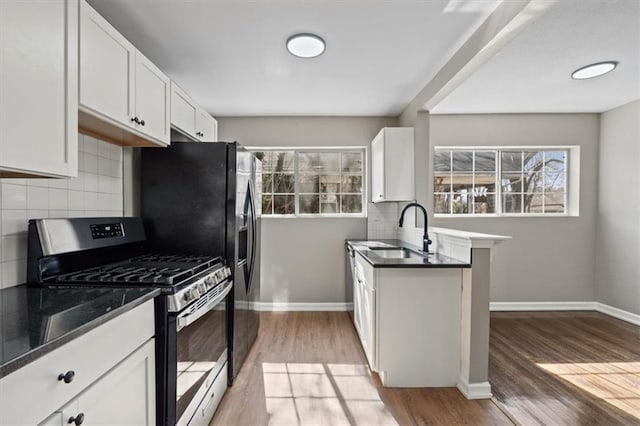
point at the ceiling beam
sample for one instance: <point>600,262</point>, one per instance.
<point>503,25</point>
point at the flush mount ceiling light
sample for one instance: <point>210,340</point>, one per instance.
<point>594,70</point>
<point>305,45</point>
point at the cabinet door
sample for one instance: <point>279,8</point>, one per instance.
<point>123,396</point>
<point>38,87</point>
<point>184,111</point>
<point>368,325</point>
<point>377,168</point>
<point>207,129</point>
<point>107,62</point>
<point>152,91</point>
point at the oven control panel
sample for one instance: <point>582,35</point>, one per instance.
<point>106,230</point>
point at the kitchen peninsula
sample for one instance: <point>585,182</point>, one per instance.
<point>434,308</point>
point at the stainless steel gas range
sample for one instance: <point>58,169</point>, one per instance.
<point>191,313</point>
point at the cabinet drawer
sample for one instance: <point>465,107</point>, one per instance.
<point>33,392</point>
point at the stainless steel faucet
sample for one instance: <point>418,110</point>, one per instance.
<point>426,242</point>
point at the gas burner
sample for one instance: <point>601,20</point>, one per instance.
<point>166,270</point>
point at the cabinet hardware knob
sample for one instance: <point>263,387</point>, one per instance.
<point>142,122</point>
<point>67,377</point>
<point>77,420</point>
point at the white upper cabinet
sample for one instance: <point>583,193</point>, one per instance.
<point>107,67</point>
<point>392,165</point>
<point>120,89</point>
<point>207,127</point>
<point>38,88</point>
<point>191,119</point>
<point>152,100</point>
<point>184,111</point>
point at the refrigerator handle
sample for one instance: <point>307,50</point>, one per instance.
<point>253,234</point>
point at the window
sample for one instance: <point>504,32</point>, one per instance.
<point>500,181</point>
<point>312,182</point>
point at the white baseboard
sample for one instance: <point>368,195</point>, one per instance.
<point>542,306</point>
<point>618,313</point>
<point>480,390</point>
<point>291,306</point>
<point>566,306</point>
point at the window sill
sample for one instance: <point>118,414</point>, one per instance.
<point>511,215</point>
<point>314,216</point>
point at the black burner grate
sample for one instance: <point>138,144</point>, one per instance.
<point>147,269</point>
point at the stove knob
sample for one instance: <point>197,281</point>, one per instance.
<point>189,295</point>
<point>202,287</point>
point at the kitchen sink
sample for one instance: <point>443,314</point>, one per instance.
<point>374,245</point>
<point>397,253</point>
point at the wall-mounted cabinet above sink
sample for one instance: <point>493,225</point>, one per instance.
<point>392,177</point>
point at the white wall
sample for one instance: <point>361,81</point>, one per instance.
<point>548,259</point>
<point>618,226</point>
<point>303,259</point>
<point>97,191</point>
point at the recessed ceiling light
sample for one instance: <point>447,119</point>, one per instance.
<point>305,45</point>
<point>594,70</point>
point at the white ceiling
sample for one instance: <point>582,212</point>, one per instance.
<point>231,56</point>
<point>533,72</point>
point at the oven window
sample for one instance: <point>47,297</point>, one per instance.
<point>201,346</point>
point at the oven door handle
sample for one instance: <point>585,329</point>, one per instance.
<point>188,318</point>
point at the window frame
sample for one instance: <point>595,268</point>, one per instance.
<point>572,186</point>
<point>296,191</point>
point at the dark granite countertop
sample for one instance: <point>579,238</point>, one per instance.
<point>434,260</point>
<point>35,321</point>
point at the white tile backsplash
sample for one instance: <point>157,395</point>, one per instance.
<point>382,220</point>
<point>14,196</point>
<point>97,191</point>
<point>58,199</point>
<point>37,198</point>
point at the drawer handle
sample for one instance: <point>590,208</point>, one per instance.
<point>142,122</point>
<point>77,420</point>
<point>68,376</point>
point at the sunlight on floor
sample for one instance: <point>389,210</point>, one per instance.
<point>315,394</point>
<point>617,383</point>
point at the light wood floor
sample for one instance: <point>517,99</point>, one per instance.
<point>307,368</point>
<point>578,368</point>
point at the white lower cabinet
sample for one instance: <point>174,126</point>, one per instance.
<point>124,396</point>
<point>365,310</point>
<point>110,371</point>
<point>409,322</point>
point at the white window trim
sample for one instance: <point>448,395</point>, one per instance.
<point>572,194</point>
<point>296,149</point>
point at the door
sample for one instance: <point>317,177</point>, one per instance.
<point>39,87</point>
<point>377,168</point>
<point>207,126</point>
<point>183,111</point>
<point>107,67</point>
<point>246,274</point>
<point>253,315</point>
<point>152,91</point>
<point>201,351</point>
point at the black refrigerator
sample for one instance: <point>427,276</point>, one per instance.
<point>204,198</point>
